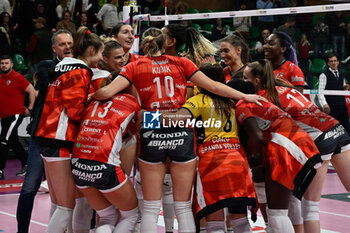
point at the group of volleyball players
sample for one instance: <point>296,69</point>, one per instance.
<point>91,133</point>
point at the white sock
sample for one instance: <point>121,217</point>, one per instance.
<point>215,227</point>
<point>52,209</point>
<point>60,220</point>
<point>241,225</point>
<point>260,189</point>
<point>150,215</point>
<point>168,204</point>
<point>184,215</point>
<point>294,210</point>
<point>128,220</point>
<point>108,216</point>
<point>230,230</point>
<point>279,221</point>
<point>310,210</point>
<point>202,230</point>
<point>82,215</point>
<point>106,228</point>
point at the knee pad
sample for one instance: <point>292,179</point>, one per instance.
<point>183,212</point>
<point>241,225</point>
<point>294,211</point>
<point>60,220</point>
<point>107,228</point>
<point>128,220</point>
<point>260,192</point>
<point>279,221</point>
<point>82,215</point>
<point>310,210</point>
<point>52,209</point>
<point>150,215</point>
<point>108,216</point>
<point>215,227</point>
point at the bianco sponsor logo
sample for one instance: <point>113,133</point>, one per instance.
<point>91,177</point>
<point>167,143</point>
<point>335,132</point>
<point>161,69</point>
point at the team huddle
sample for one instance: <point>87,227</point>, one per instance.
<point>266,145</point>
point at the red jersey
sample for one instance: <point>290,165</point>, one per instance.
<point>133,57</point>
<point>160,81</point>
<point>65,101</point>
<point>287,147</point>
<point>229,75</point>
<point>291,72</point>
<point>103,125</point>
<point>12,92</point>
<point>303,111</point>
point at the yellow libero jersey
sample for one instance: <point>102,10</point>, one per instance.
<point>202,107</point>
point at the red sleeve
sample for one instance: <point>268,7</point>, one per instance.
<point>128,71</point>
<point>297,77</point>
<point>243,111</point>
<point>74,92</point>
<point>190,67</point>
<point>22,83</point>
<point>32,44</point>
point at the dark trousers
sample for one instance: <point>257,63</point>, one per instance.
<point>9,140</point>
<point>31,184</point>
<point>340,112</point>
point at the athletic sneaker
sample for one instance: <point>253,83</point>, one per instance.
<point>1,174</point>
<point>44,187</point>
<point>23,171</point>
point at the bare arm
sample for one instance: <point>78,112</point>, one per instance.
<point>116,86</point>
<point>32,95</point>
<point>223,90</point>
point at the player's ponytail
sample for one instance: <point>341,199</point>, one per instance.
<point>83,40</point>
<point>152,41</point>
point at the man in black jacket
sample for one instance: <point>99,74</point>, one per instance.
<point>62,43</point>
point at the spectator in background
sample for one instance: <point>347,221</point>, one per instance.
<point>84,20</point>
<point>304,47</point>
<point>61,8</point>
<point>337,28</point>
<point>259,46</point>
<point>41,11</point>
<point>320,35</point>
<point>5,6</point>
<point>289,28</point>
<point>66,23</point>
<point>39,47</point>
<point>13,87</point>
<point>266,21</point>
<point>108,16</point>
<point>242,24</point>
<point>333,79</point>
<point>219,31</point>
<point>181,8</point>
<point>7,34</point>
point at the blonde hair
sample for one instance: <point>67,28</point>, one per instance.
<point>153,41</point>
<point>197,47</point>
